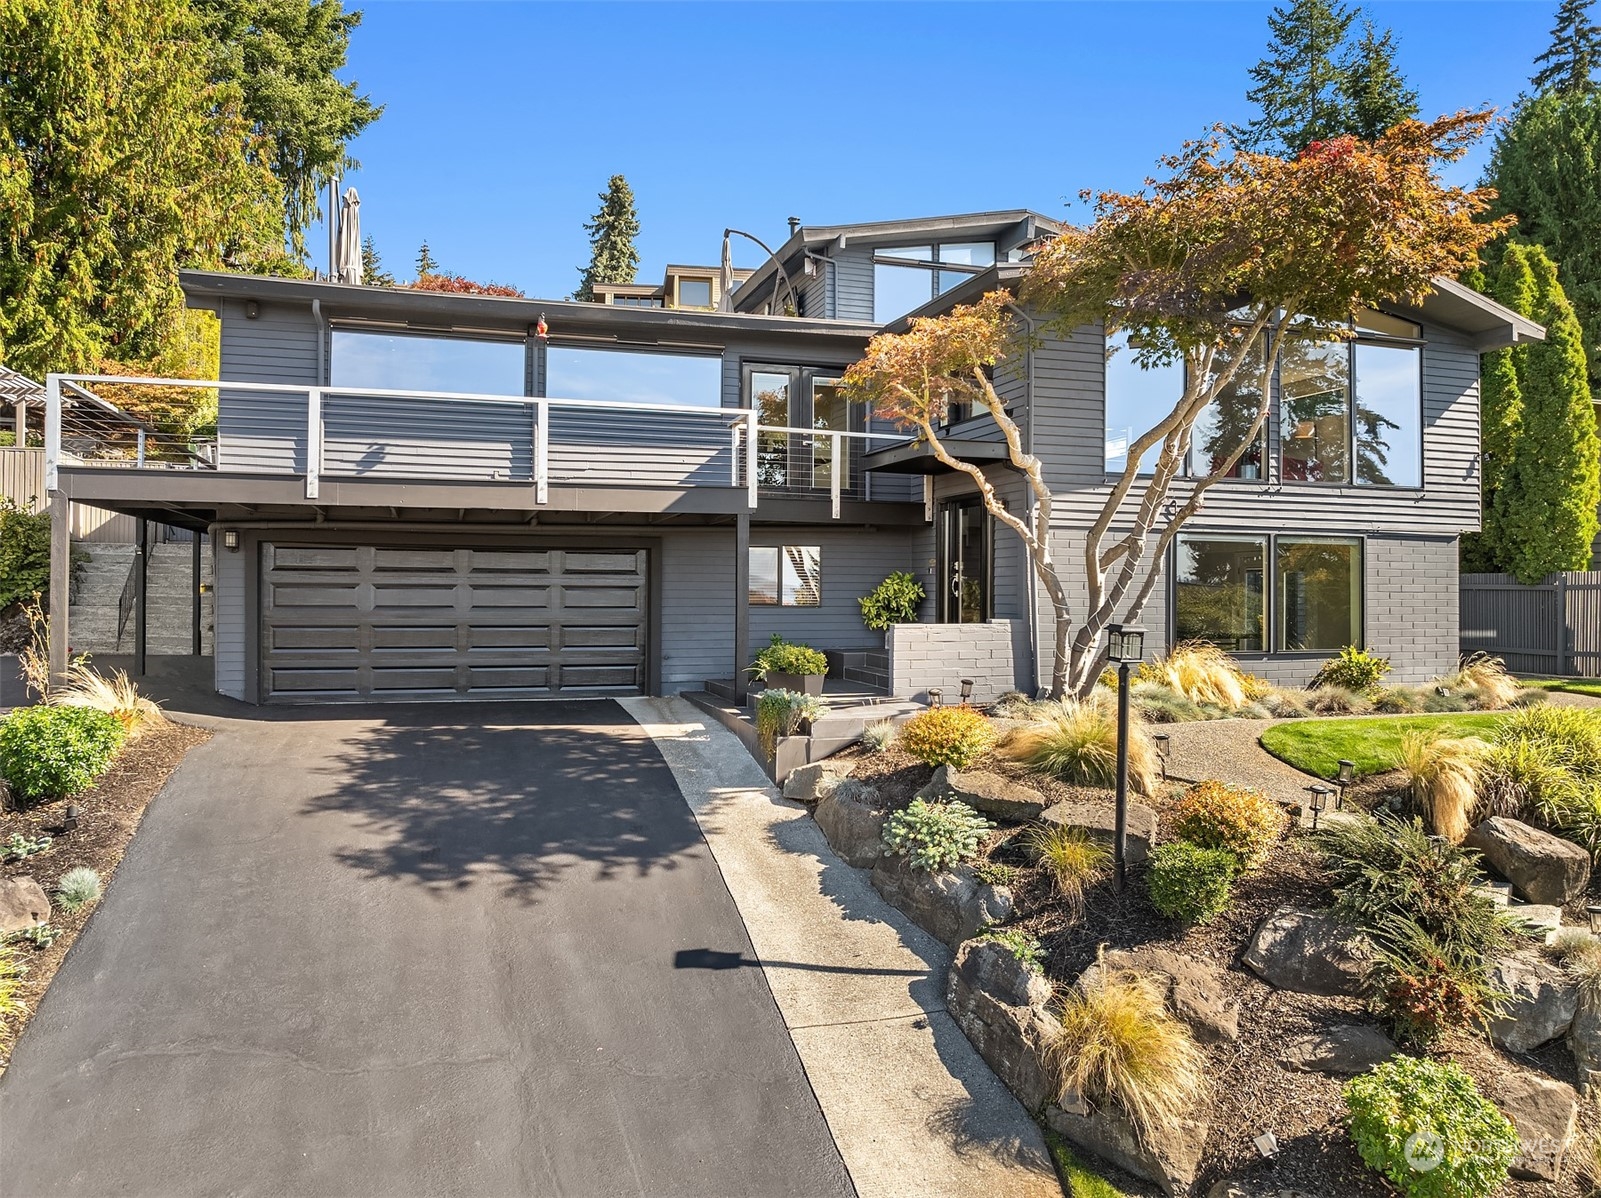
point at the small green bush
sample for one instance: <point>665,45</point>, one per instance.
<point>50,752</point>
<point>1244,821</point>
<point>893,601</point>
<point>1162,705</point>
<point>1545,766</point>
<point>24,552</point>
<point>1020,944</point>
<point>1354,669</point>
<point>879,736</point>
<point>78,887</point>
<point>935,836</point>
<point>1398,700</point>
<point>1425,1126</point>
<point>1189,882</point>
<point>953,736</point>
<point>782,657</point>
<point>781,712</point>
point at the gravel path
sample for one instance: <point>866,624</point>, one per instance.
<point>1227,751</point>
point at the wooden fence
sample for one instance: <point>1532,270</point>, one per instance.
<point>22,480</point>
<point>1552,627</point>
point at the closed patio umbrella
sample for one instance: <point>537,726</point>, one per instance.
<point>348,266</point>
<point>725,302</point>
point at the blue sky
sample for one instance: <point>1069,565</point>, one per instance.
<point>504,120</point>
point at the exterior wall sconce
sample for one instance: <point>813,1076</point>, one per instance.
<point>936,697</point>
<point>230,540</point>
<point>1320,800</point>
<point>967,690</point>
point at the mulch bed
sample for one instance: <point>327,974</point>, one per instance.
<point>112,810</point>
<point>1250,1092</point>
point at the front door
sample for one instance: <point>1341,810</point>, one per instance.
<point>964,561</point>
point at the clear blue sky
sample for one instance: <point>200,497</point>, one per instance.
<point>504,120</point>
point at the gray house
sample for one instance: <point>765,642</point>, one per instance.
<point>418,495</point>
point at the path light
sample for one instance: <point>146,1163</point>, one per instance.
<point>935,696</point>
<point>1320,800</point>
<point>1595,919</point>
<point>1161,739</point>
<point>69,822</point>
<point>1346,777</point>
<point>967,690</point>
<point>1125,644</point>
<point>1267,1144</point>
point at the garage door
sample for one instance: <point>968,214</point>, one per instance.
<point>348,622</point>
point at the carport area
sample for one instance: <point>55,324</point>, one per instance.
<point>413,950</point>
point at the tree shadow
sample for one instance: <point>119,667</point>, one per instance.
<point>514,794</point>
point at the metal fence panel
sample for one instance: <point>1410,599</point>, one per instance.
<point>1551,627</point>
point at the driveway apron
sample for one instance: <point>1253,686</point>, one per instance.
<point>414,950</point>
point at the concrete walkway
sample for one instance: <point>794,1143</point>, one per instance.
<point>912,1106</point>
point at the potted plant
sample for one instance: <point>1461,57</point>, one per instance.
<point>783,726</point>
<point>893,601</point>
<point>784,666</point>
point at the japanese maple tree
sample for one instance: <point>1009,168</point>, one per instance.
<point>1216,266</point>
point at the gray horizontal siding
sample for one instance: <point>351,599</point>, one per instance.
<point>697,608</point>
<point>231,632</point>
<point>259,431</point>
<point>426,439</point>
<point>853,283</point>
<point>853,562</point>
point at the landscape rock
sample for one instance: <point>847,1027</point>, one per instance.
<point>1309,952</point>
<point>999,1003</point>
<point>1542,867</point>
<point>1099,820</point>
<point>1541,921</point>
<point>1345,1051</point>
<point>22,905</point>
<point>1171,1160</point>
<point>1584,1042</point>
<point>986,792</point>
<point>1195,991</point>
<point>1544,1000</point>
<point>952,905</point>
<point>851,823</point>
<point>814,782</point>
<point>1544,1112</point>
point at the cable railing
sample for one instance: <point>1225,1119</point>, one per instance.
<point>318,433</point>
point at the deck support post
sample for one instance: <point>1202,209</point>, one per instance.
<point>141,578</point>
<point>195,599</point>
<point>741,603</point>
<point>60,582</point>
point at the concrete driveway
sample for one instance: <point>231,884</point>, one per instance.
<point>424,950</point>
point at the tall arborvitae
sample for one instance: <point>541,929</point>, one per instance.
<point>1299,84</point>
<point>1570,62</point>
<point>426,265</point>
<point>1500,414</point>
<point>612,256</point>
<point>1375,92</point>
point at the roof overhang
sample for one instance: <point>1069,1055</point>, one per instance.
<point>1490,325</point>
<point>916,457</point>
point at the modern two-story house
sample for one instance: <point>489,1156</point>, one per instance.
<point>416,495</point>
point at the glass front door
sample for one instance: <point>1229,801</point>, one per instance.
<point>964,561</point>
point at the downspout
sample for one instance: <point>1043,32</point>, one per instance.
<point>322,342</point>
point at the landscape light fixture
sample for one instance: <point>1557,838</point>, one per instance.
<point>1267,1144</point>
<point>967,690</point>
<point>936,697</point>
<point>69,822</point>
<point>1320,800</point>
<point>1161,739</point>
<point>1346,777</point>
<point>1125,644</point>
<point>1594,912</point>
<point>230,540</point>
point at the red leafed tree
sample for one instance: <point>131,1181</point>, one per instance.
<point>460,286</point>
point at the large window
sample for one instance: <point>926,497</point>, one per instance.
<point>1221,592</point>
<point>906,277</point>
<point>1223,424</point>
<point>415,362</point>
<point>1315,430</point>
<point>786,575</point>
<point>803,397</point>
<point>1136,401</point>
<point>623,376</point>
<point>1389,417</point>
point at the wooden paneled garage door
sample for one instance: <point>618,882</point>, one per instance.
<point>363,622</point>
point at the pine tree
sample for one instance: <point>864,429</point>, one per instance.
<point>372,266</point>
<point>1545,508</point>
<point>1375,92</point>
<point>425,262</point>
<point>1299,84</point>
<point>1574,53</point>
<point>612,256</point>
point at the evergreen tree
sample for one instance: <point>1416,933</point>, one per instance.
<point>372,266</point>
<point>1574,54</point>
<point>1545,507</point>
<point>1375,92</point>
<point>425,262</point>
<point>1500,415</point>
<point>1299,85</point>
<point>612,256</point>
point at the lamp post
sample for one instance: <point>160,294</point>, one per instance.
<point>1346,778</point>
<point>1125,644</point>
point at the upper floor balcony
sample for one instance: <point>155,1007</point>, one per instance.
<point>331,446</point>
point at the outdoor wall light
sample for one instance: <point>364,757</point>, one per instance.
<point>967,690</point>
<point>936,697</point>
<point>252,309</point>
<point>1125,642</point>
<point>1595,919</point>
<point>1320,800</point>
<point>230,540</point>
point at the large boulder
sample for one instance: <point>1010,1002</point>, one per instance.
<point>1584,1042</point>
<point>1542,1001</point>
<point>23,904</point>
<point>1345,1051</point>
<point>986,792</point>
<point>1309,952</point>
<point>1171,1159</point>
<point>1099,820</point>
<point>952,904</point>
<point>1544,1113</point>
<point>1195,991</point>
<point>851,822</point>
<point>814,782</point>
<point>1544,868</point>
<point>999,1003</point>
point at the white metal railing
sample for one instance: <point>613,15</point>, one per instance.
<point>563,439</point>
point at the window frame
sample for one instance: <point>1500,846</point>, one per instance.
<point>1270,604</point>
<point>678,292</point>
<point>336,327</point>
<point>932,266</point>
<point>778,552</point>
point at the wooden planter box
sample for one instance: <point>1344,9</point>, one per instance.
<point>806,684</point>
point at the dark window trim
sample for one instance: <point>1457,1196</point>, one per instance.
<point>778,580</point>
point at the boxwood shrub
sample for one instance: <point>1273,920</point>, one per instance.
<point>51,752</point>
<point>1190,882</point>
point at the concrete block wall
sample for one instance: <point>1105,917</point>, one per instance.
<point>941,655</point>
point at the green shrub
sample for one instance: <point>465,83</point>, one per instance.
<point>1189,882</point>
<point>1436,703</point>
<point>1423,989</point>
<point>1287,705</point>
<point>953,736</point>
<point>1545,766</point>
<point>782,657</point>
<point>1354,669</point>
<point>1163,705</point>
<point>1425,1126</point>
<point>893,601</point>
<point>1073,859</point>
<point>24,552</point>
<point>1020,944</point>
<point>935,836</point>
<point>49,752</point>
<point>1244,821</point>
<point>781,712</point>
<point>78,887</point>
<point>879,736</point>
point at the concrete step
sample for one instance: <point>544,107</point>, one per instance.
<point>1499,893</point>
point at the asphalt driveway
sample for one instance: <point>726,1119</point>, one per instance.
<point>424,950</point>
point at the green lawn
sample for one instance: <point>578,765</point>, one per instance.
<point>1316,746</point>
<point>1573,686</point>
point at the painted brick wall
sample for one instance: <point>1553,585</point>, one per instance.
<point>941,655</point>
